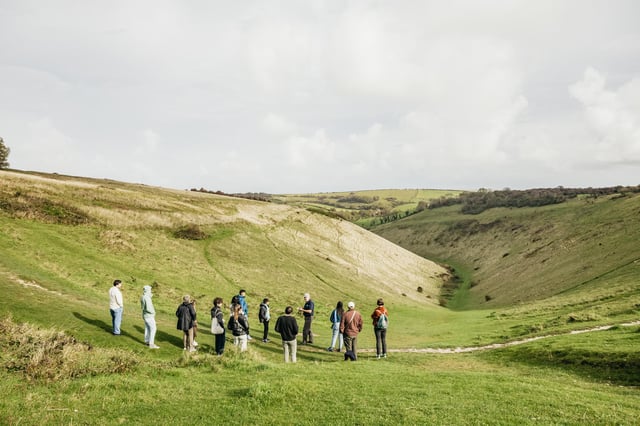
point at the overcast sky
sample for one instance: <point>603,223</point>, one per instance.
<point>313,96</point>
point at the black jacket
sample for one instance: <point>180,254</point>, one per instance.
<point>238,327</point>
<point>287,326</point>
<point>186,316</point>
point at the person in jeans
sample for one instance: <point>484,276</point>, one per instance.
<point>149,317</point>
<point>335,317</point>
<point>350,327</point>
<point>116,306</point>
<point>287,326</point>
<point>380,331</point>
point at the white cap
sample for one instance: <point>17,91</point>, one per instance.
<point>351,305</point>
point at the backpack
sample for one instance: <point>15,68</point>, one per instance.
<point>383,322</point>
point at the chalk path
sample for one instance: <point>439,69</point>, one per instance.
<point>459,350</point>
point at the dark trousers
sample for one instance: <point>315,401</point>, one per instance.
<point>381,341</point>
<point>350,345</point>
<point>220,339</point>
<point>307,337</point>
<point>265,333</point>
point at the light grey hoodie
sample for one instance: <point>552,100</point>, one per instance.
<point>145,302</point>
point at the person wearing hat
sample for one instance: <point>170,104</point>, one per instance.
<point>149,317</point>
<point>350,327</point>
<point>307,311</point>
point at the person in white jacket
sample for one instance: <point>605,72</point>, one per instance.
<point>149,317</point>
<point>116,306</point>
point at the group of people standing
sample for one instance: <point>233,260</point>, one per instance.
<point>346,325</point>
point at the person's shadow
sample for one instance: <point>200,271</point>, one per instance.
<point>106,326</point>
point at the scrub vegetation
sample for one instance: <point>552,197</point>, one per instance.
<point>59,363</point>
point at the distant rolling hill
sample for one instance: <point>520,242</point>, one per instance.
<point>507,256</point>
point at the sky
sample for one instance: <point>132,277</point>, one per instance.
<point>319,96</point>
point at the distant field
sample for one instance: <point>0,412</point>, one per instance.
<point>370,206</point>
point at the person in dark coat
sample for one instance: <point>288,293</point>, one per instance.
<point>216,315</point>
<point>186,320</point>
<point>287,326</point>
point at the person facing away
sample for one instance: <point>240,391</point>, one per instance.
<point>264,316</point>
<point>335,317</point>
<point>116,306</point>
<point>186,318</point>
<point>307,311</point>
<point>149,317</point>
<point>379,329</point>
<point>239,328</point>
<point>242,299</point>
<point>287,326</point>
<point>216,315</point>
<point>350,327</point>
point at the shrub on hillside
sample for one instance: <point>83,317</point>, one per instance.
<point>27,206</point>
<point>190,232</point>
<point>50,355</point>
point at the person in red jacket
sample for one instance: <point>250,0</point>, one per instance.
<point>380,328</point>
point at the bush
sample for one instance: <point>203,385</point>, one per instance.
<point>190,232</point>
<point>49,355</point>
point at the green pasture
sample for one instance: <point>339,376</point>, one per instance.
<point>62,245</point>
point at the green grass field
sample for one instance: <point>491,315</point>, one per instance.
<point>63,240</point>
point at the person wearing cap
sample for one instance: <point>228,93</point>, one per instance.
<point>307,311</point>
<point>116,306</point>
<point>149,317</point>
<point>380,329</point>
<point>350,327</point>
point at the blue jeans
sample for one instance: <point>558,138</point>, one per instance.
<point>334,337</point>
<point>116,319</point>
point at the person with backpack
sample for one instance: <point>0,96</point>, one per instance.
<point>350,327</point>
<point>264,316</point>
<point>380,318</point>
<point>335,317</point>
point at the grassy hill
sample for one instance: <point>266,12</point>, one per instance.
<point>64,239</point>
<point>510,256</point>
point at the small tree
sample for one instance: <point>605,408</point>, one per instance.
<point>4,155</point>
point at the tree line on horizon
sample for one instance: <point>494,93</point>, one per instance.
<point>478,201</point>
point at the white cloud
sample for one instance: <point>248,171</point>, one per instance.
<point>243,96</point>
<point>613,116</point>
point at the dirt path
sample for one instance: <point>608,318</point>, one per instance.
<point>459,350</point>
